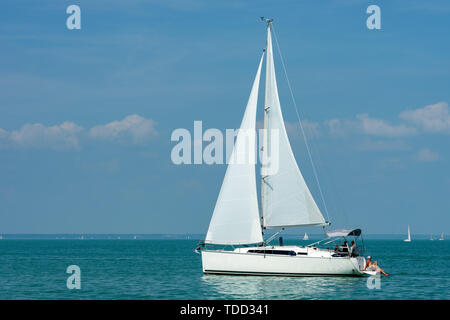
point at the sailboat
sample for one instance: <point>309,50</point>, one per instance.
<point>409,236</point>
<point>286,202</point>
<point>431,237</point>
<point>442,236</point>
<point>305,237</point>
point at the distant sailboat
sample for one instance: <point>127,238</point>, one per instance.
<point>431,237</point>
<point>1,237</point>
<point>409,236</point>
<point>81,238</point>
<point>442,236</point>
<point>305,237</point>
<point>135,238</point>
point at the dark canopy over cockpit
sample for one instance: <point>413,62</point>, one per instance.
<point>344,233</point>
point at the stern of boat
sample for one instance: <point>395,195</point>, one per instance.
<point>359,263</point>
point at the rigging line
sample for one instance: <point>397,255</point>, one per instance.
<point>301,126</point>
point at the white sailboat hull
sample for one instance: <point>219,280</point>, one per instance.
<point>229,262</point>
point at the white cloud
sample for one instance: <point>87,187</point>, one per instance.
<point>341,127</point>
<point>426,155</point>
<point>431,118</point>
<point>378,127</point>
<point>68,135</point>
<point>363,124</point>
<point>133,127</point>
<point>63,136</point>
<point>434,118</point>
<point>334,126</point>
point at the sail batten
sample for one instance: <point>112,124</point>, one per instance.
<point>236,217</point>
<point>286,199</point>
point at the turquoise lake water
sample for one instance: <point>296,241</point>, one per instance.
<point>169,269</point>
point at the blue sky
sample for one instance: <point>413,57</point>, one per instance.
<point>86,115</point>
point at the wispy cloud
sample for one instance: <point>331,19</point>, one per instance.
<point>383,135</point>
<point>426,155</point>
<point>339,127</point>
<point>379,127</point>
<point>59,137</point>
<point>364,124</point>
<point>133,129</point>
<point>432,118</point>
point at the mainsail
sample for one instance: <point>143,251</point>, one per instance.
<point>236,216</point>
<point>286,199</point>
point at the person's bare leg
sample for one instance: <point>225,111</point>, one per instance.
<point>382,271</point>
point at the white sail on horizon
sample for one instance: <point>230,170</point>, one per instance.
<point>409,235</point>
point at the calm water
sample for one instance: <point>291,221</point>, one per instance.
<point>169,269</point>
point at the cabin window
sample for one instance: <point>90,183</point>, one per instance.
<point>282,252</point>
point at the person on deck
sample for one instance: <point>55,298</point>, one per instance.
<point>344,248</point>
<point>373,266</point>
<point>354,251</point>
<point>336,249</point>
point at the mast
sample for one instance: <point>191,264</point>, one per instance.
<point>264,146</point>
